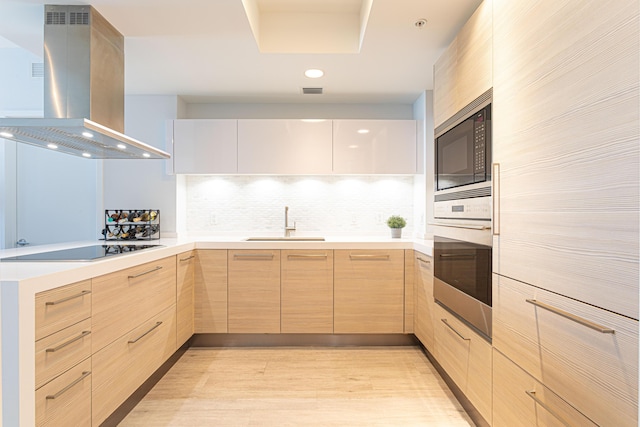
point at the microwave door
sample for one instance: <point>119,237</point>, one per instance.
<point>455,157</point>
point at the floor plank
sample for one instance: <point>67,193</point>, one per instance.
<point>300,386</point>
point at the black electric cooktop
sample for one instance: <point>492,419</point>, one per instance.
<point>84,253</point>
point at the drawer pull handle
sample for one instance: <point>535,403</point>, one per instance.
<point>145,334</point>
<point>570,316</point>
<point>307,256</point>
<point>66,343</point>
<point>454,330</point>
<point>367,257</point>
<point>81,294</point>
<point>187,258</point>
<point>145,272</point>
<point>84,375</point>
<point>426,261</point>
<point>532,394</point>
<point>260,256</point>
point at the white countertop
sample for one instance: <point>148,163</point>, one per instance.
<point>39,276</point>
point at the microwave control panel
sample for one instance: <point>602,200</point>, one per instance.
<point>479,143</point>
<point>477,208</point>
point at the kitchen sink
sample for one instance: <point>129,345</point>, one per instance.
<point>284,239</point>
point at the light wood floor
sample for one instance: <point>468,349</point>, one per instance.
<point>300,386</point>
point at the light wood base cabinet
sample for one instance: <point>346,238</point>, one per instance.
<point>66,401</point>
<point>254,291</point>
<point>121,367</point>
<point>61,307</point>
<point>466,357</point>
<point>521,401</point>
<point>185,269</point>
<point>423,324</point>
<point>210,312</point>
<point>369,291</point>
<point>307,291</point>
<point>588,356</point>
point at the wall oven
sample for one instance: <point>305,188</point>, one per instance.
<point>462,281</point>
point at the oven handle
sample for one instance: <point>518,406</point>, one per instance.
<point>457,256</point>
<point>468,226</point>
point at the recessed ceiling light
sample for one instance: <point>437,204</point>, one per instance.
<point>87,134</point>
<point>86,155</point>
<point>314,73</point>
<point>122,146</point>
<point>420,23</point>
<point>363,131</point>
<point>6,135</point>
<point>52,146</point>
<point>146,154</point>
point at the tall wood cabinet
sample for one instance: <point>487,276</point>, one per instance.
<point>369,291</point>
<point>566,121</point>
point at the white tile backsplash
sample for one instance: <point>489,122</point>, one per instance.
<point>330,205</point>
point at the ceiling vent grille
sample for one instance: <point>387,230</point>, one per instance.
<point>37,69</point>
<point>78,18</point>
<point>312,90</point>
<point>56,18</point>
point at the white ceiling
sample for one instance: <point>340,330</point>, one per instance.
<point>205,51</point>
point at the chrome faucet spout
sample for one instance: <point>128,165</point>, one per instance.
<point>287,228</point>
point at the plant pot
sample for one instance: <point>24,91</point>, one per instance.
<point>396,233</point>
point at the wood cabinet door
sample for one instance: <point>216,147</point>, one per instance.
<point>284,146</point>
<point>369,291</point>
<point>254,291</point>
<point>423,323</point>
<point>307,291</point>
<point>211,291</point>
<point>374,146</point>
<point>566,124</point>
<point>205,146</point>
<point>185,279</point>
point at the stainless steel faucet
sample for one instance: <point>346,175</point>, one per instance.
<point>287,229</point>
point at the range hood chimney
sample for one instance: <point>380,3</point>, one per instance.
<point>84,90</point>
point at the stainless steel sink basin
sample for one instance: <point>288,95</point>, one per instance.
<point>284,239</point>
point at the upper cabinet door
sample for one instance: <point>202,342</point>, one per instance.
<point>566,122</point>
<point>205,146</point>
<point>374,146</point>
<point>284,146</point>
<point>464,71</point>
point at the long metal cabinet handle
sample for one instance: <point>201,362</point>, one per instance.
<point>187,258</point>
<point>532,394</point>
<point>81,294</point>
<point>84,375</point>
<point>426,261</point>
<point>368,257</point>
<point>454,330</point>
<point>307,256</point>
<point>571,316</point>
<point>269,256</point>
<point>145,334</point>
<point>145,272</point>
<point>496,198</point>
<point>66,343</point>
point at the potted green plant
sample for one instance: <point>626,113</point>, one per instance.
<point>396,224</point>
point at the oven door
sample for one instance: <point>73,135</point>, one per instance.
<point>462,281</point>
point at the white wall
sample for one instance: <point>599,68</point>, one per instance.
<point>325,205</point>
<point>144,184</point>
<point>19,92</point>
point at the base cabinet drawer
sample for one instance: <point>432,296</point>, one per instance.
<point>466,357</point>
<point>61,307</point>
<point>66,401</point>
<point>586,355</point>
<point>521,401</point>
<point>62,350</point>
<point>121,367</point>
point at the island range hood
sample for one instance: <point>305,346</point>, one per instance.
<point>84,90</point>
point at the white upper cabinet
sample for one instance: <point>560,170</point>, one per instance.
<point>374,146</point>
<point>566,122</point>
<point>464,71</point>
<point>205,146</point>
<point>284,147</point>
